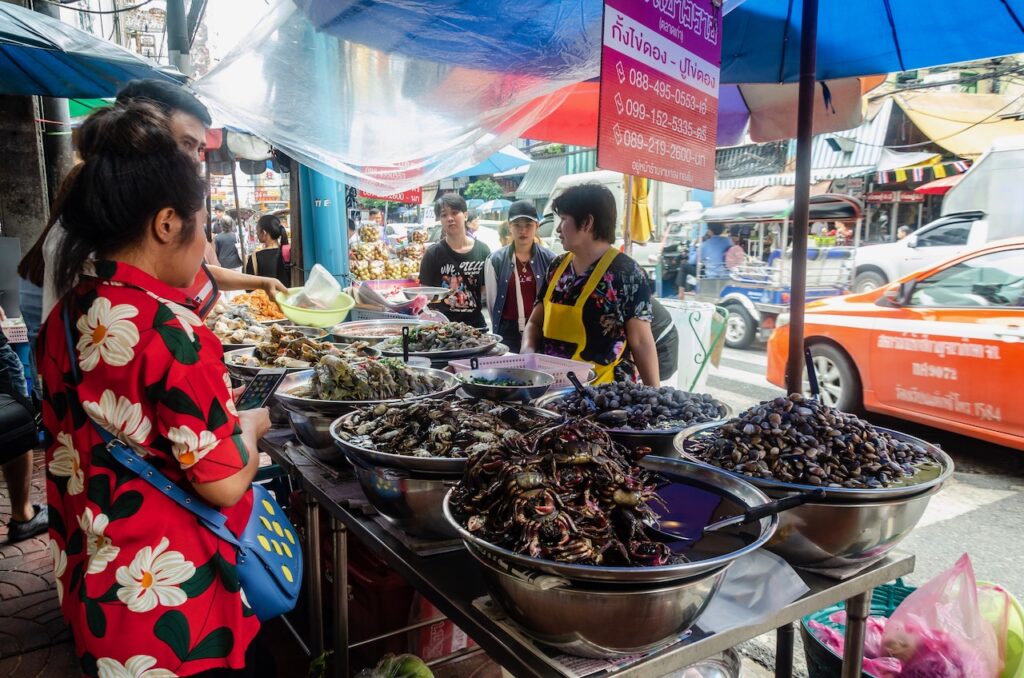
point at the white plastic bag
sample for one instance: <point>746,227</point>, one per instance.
<point>321,291</point>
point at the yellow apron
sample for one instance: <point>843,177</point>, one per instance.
<point>565,323</point>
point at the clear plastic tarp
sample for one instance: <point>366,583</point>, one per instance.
<point>327,83</point>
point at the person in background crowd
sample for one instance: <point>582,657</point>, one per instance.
<point>456,262</point>
<point>376,217</point>
<point>126,555</point>
<point>666,340</point>
<point>735,256</point>
<point>187,119</point>
<point>27,519</point>
<point>512,274</point>
<point>226,245</point>
<point>473,223</point>
<point>222,223</point>
<point>596,302</point>
<point>210,253</point>
<point>711,252</point>
<point>504,234</point>
<point>353,237</point>
<point>269,261</point>
<point>903,231</point>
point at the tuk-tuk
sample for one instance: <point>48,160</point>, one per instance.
<point>757,290</point>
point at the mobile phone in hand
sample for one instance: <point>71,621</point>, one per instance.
<point>260,389</point>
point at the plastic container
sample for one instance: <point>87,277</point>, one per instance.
<point>309,317</point>
<point>380,600</point>
<point>821,661</point>
<point>556,367</point>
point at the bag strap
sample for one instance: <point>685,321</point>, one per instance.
<point>211,518</point>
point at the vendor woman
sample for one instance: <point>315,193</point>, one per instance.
<point>456,263</point>
<point>596,301</point>
<point>513,275</point>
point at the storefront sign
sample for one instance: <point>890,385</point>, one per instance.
<point>413,197</point>
<point>658,110</point>
<point>895,196</point>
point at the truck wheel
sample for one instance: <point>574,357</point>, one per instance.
<point>867,281</point>
<point>740,328</point>
<point>837,378</point>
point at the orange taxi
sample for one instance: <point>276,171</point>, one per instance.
<point>943,346</point>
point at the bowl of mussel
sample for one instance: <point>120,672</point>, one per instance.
<point>408,454</point>
<point>877,482</point>
<point>636,415</point>
<point>336,384</point>
<point>569,525</point>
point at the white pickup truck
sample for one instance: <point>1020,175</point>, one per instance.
<point>944,238</point>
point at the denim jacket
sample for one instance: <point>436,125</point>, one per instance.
<point>499,270</point>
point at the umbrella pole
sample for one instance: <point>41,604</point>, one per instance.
<point>802,195</point>
<point>238,212</point>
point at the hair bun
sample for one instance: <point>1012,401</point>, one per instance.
<point>134,129</point>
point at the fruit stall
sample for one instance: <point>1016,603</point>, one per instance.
<point>525,508</point>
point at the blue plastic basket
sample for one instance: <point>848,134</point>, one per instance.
<point>822,662</point>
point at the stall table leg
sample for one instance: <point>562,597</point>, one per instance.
<point>313,578</point>
<point>784,651</point>
<point>857,610</point>
<point>339,532</point>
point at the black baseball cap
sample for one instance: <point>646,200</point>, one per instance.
<point>522,209</point>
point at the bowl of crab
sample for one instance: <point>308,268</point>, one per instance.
<point>569,527</point>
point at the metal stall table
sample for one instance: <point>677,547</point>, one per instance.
<point>452,582</point>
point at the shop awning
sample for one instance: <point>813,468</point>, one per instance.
<point>939,186</point>
<point>541,178</point>
<point>733,196</point>
<point>964,124</point>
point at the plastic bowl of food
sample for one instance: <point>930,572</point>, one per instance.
<point>314,317</point>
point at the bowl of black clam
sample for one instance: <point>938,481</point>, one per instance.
<point>636,415</point>
<point>572,529</point>
<point>877,482</point>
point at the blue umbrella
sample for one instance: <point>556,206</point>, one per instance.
<point>498,205</point>
<point>43,56</point>
<point>505,159</point>
<point>474,203</point>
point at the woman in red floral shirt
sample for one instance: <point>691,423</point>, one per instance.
<point>147,590</point>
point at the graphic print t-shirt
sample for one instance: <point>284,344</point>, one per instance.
<point>463,274</point>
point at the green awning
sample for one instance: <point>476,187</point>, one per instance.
<point>541,178</point>
<point>79,108</point>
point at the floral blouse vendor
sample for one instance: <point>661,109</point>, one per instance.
<point>145,588</point>
<point>596,301</point>
<point>456,263</point>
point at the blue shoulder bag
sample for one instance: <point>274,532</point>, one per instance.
<point>269,557</point>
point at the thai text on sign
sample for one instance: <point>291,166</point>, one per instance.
<point>413,197</point>
<point>660,75</point>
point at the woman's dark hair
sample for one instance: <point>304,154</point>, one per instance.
<point>589,200</point>
<point>132,170</point>
<point>453,201</point>
<point>32,266</point>
<point>716,228</point>
<point>168,96</point>
<point>351,224</point>
<point>273,227</point>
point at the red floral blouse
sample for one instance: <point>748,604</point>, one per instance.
<point>146,589</point>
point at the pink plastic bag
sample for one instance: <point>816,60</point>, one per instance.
<point>874,628</point>
<point>938,631</point>
<point>883,667</point>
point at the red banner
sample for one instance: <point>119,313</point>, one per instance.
<point>659,90</point>
<point>413,197</point>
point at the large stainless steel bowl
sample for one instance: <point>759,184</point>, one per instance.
<point>660,441</point>
<point>411,503</point>
<point>314,333</point>
<point>245,373</point>
<point>393,348</point>
<point>535,383</point>
<point>850,526</point>
<point>726,490</point>
<point>371,330</point>
<point>595,621</point>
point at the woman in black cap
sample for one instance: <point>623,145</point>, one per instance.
<point>510,297</point>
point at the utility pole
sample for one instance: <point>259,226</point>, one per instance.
<point>57,150</point>
<point>178,45</point>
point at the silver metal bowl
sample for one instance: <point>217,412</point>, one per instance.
<point>777,488</point>
<point>370,330</point>
<point>536,383</point>
<point>701,476</point>
<point>490,341</point>
<point>413,504</point>
<point>314,333</point>
<point>433,294</point>
<point>660,441</point>
<point>335,408</point>
<point>595,621</point>
<point>442,466</point>
<point>247,372</point>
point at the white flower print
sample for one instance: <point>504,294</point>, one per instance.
<point>60,563</point>
<point>67,464</point>
<point>120,416</point>
<point>107,334</point>
<point>153,578</point>
<point>188,446</point>
<point>185,317</point>
<point>139,666</point>
<point>100,548</point>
